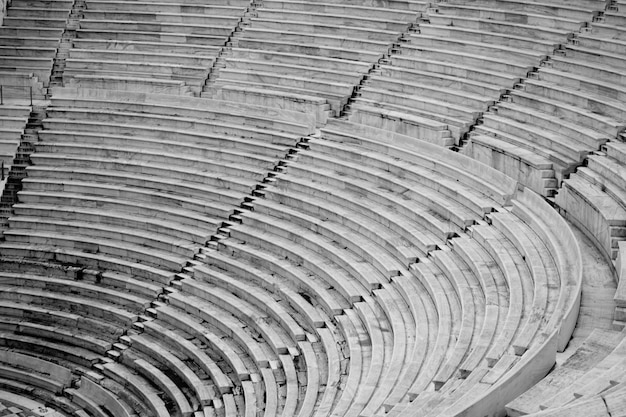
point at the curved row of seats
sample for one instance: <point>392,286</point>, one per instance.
<point>29,38</point>
<point>462,60</point>
<point>150,46</point>
<point>269,61</point>
<point>569,107</point>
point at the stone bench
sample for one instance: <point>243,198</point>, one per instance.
<point>304,34</point>
<point>190,144</point>
<point>461,282</point>
<point>521,58</point>
<point>282,94</point>
<point>309,49</point>
<point>444,325</point>
<point>283,100</point>
<point>303,282</point>
<point>590,85</point>
<point>591,61</point>
<point>207,51</point>
<point>38,66</point>
<point>595,42</point>
<point>125,234</point>
<point>324,87</point>
<point>402,114</point>
<point>516,274</point>
<point>452,69</point>
<point>348,263</point>
<point>378,228</point>
<point>423,180</point>
<point>409,209</point>
<point>111,35</point>
<point>551,145</point>
<point>29,42</point>
<point>140,16</point>
<point>28,31</point>
<point>93,397</point>
<point>124,300</point>
<point>96,345</point>
<point>597,213</point>
<point>192,352</point>
<point>161,28</point>
<point>75,354</point>
<point>530,29</point>
<point>227,324</point>
<point>190,74</point>
<point>96,261</point>
<point>159,171</point>
<point>312,73</point>
<point>192,325</point>
<point>347,286</point>
<point>564,249</point>
<point>26,51</point>
<point>260,300</point>
<point>360,245</point>
<point>89,307</point>
<point>493,38</point>
<point>163,228</point>
<point>82,325</point>
<point>310,61</point>
<point>34,371</point>
<point>528,17</point>
<point>188,188</point>
<point>43,3</point>
<point>323,32</point>
<point>369,22</point>
<point>138,386</point>
<point>130,84</point>
<point>453,91</point>
<point>36,12</point>
<point>481,86</point>
<point>582,12</point>
<point>276,331</point>
<point>39,22</point>
<point>343,9</point>
<point>573,113</point>
<point>228,165</point>
<point>179,59</point>
<point>605,106</point>
<point>595,348</point>
<point>86,195</point>
<point>498,187</point>
<point>264,283</point>
<point>458,56</point>
<point>174,365</point>
<point>214,110</point>
<point>169,8</point>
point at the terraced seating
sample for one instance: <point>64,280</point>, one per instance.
<point>160,59</point>
<point>593,198</point>
<point>487,38</point>
<point>600,351</point>
<point>28,40</point>
<point>333,32</point>
<point>13,120</point>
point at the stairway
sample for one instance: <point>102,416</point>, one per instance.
<point>22,159</point>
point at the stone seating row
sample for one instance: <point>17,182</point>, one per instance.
<point>151,372</point>
<point>568,85</point>
<point>600,350</point>
<point>274,211</point>
<point>593,198</point>
<point>322,30</point>
<point>29,36</point>
<point>434,109</point>
<point>13,120</point>
<point>195,109</point>
<point>159,28</point>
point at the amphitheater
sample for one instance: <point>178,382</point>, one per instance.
<point>298,208</point>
